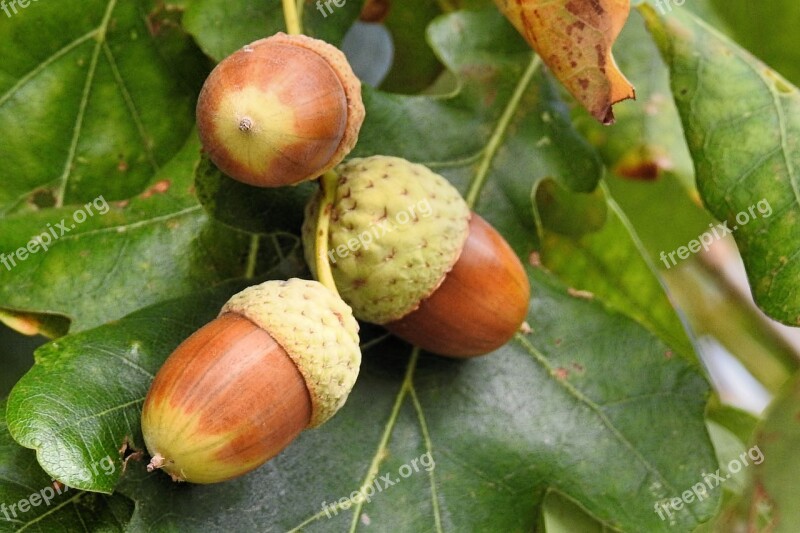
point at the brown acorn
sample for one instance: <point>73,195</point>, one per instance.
<point>281,357</point>
<point>280,111</point>
<point>407,253</point>
<point>480,304</point>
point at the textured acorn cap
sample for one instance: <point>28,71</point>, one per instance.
<point>318,331</point>
<point>396,230</point>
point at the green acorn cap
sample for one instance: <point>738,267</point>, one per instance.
<point>396,230</point>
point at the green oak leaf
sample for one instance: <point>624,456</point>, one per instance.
<point>742,124</point>
<point>252,209</point>
<point>415,66</point>
<point>86,97</point>
<point>222,26</point>
<point>124,256</point>
<point>776,46</point>
<point>30,499</point>
<point>575,396</point>
<point>588,241</point>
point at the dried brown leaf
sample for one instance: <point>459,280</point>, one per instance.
<point>574,38</point>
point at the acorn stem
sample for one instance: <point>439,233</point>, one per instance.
<point>328,183</point>
<point>156,462</point>
<point>293,24</point>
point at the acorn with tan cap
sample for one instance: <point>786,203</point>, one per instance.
<point>281,357</point>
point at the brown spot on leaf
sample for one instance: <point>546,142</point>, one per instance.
<point>159,187</point>
<point>645,163</point>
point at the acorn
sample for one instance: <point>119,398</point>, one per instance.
<point>280,111</point>
<point>280,357</point>
<point>406,252</point>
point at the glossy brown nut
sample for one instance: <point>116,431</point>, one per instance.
<point>280,111</point>
<point>479,306</point>
<point>228,399</point>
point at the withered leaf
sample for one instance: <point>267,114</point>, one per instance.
<point>574,38</point>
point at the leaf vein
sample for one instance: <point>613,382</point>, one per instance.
<point>573,391</point>
<point>135,115</point>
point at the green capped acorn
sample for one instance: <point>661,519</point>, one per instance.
<point>280,111</point>
<point>406,252</point>
<point>281,357</point>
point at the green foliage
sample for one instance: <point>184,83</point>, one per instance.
<point>743,136</point>
<point>583,423</point>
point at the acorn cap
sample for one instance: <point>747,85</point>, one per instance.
<point>396,230</point>
<point>318,331</point>
<point>350,83</point>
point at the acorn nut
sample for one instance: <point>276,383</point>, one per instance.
<point>280,111</point>
<point>406,252</point>
<point>280,357</point>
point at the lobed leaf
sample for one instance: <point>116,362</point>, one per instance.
<point>600,252</point>
<point>30,499</point>
<point>222,26</point>
<point>121,257</point>
<point>742,123</point>
<point>574,397</point>
<point>89,96</point>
